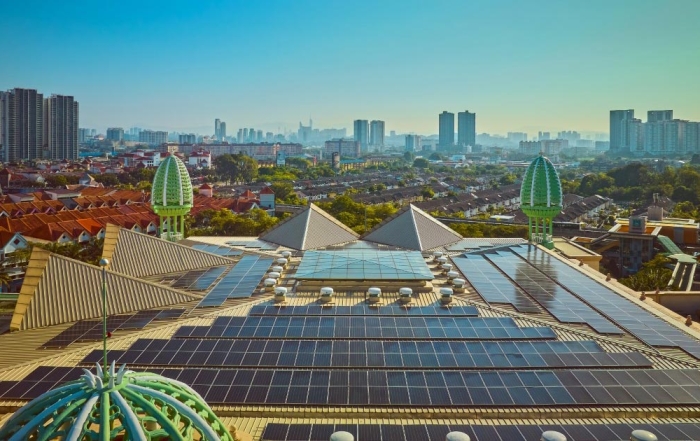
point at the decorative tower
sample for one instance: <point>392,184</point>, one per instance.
<point>171,197</point>
<point>541,199</point>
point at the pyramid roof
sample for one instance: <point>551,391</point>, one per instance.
<point>140,255</point>
<point>59,290</point>
<point>309,229</point>
<point>413,229</point>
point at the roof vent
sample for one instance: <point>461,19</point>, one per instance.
<point>643,435</point>
<point>342,436</point>
<point>273,275</point>
<point>277,269</point>
<point>286,254</point>
<point>374,294</point>
<point>451,275</point>
<point>458,284</point>
<point>326,294</point>
<point>457,436</point>
<point>446,268</point>
<point>269,282</point>
<point>281,262</point>
<point>405,295</point>
<point>552,435</point>
<point>446,295</point>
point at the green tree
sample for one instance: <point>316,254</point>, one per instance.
<point>56,180</point>
<point>507,179</point>
<point>435,156</point>
<point>421,163</point>
<point>427,193</point>
<point>654,275</point>
<point>409,156</point>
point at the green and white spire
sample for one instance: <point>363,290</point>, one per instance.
<point>541,199</point>
<point>171,197</point>
<point>117,405</point>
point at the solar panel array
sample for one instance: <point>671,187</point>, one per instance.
<point>642,387</point>
<point>364,309</point>
<point>636,320</point>
<point>340,327</point>
<point>363,264</point>
<point>477,432</point>
<point>91,330</point>
<point>221,250</point>
<point>563,305</point>
<point>405,355</point>
<point>491,285</point>
<point>239,282</point>
<point>199,280</point>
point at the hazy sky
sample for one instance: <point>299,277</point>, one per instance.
<point>520,65</point>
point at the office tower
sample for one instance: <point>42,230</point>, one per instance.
<point>572,136</point>
<point>22,124</point>
<point>361,133</point>
<point>691,138</point>
<point>259,136</point>
<point>516,137</point>
<point>269,136</point>
<point>152,137</point>
<point>239,136</point>
<point>543,136</point>
<point>251,135</point>
<point>447,129</point>
<point>83,135</point>
<point>466,128</point>
<point>659,115</point>
<point>619,131</point>
<point>115,134</point>
<point>635,135</point>
<point>217,128</point>
<point>376,135</point>
<point>413,143</point>
<point>222,131</point>
<point>344,147</point>
<point>61,117</point>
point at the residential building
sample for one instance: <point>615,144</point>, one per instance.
<point>21,124</point>
<point>446,129</point>
<point>619,132</point>
<point>190,138</point>
<point>516,137</point>
<point>376,135</point>
<point>345,147</point>
<point>61,117</point>
<point>674,132</point>
<point>635,135</point>
<point>543,135</point>
<point>83,135</point>
<point>115,134</point>
<point>466,129</point>
<point>361,133</point>
<point>219,129</point>
<point>659,115</point>
<point>413,143</point>
<point>602,146</point>
<point>691,138</point>
<point>572,136</point>
<point>152,137</point>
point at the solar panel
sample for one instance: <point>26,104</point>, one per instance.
<point>491,285</point>
<point>363,264</point>
<point>563,305</point>
<point>405,355</point>
<point>170,314</point>
<point>204,281</point>
<point>364,309</point>
<point>239,282</point>
<point>339,327</point>
<point>637,321</point>
<point>187,279</point>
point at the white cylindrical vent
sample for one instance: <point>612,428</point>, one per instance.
<point>273,275</point>
<point>374,292</point>
<point>280,291</point>
<point>286,254</point>
<point>342,436</point>
<point>643,435</point>
<point>442,260</point>
<point>457,436</point>
<point>406,292</point>
<point>281,262</point>
<point>458,283</point>
<point>326,291</point>
<point>552,435</point>
<point>446,292</point>
<point>277,269</point>
<point>452,274</point>
<point>270,282</point>
<point>437,254</point>
<point>446,267</point>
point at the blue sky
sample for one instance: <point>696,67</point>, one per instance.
<point>520,65</point>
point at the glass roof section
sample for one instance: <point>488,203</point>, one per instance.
<point>363,264</point>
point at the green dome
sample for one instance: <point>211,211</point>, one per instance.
<point>171,192</point>
<point>540,192</point>
<point>139,406</point>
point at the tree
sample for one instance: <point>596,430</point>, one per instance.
<point>653,275</point>
<point>421,163</point>
<point>507,179</point>
<point>435,156</point>
<point>409,156</point>
<point>427,193</point>
<point>55,181</point>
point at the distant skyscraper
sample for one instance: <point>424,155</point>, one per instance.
<point>187,138</point>
<point>259,136</point>
<point>543,136</point>
<point>447,129</point>
<point>516,137</point>
<point>466,128</point>
<point>61,117</point>
<point>361,133</point>
<point>83,135</point>
<point>217,127</point>
<point>413,143</point>
<point>151,137</point>
<point>691,138</point>
<point>619,130</point>
<point>115,134</point>
<point>659,115</point>
<point>245,136</point>
<point>222,131</point>
<point>376,135</point>
<point>251,135</point>
<point>22,124</point>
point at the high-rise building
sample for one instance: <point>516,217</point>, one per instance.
<point>152,137</point>
<point>674,132</point>
<point>659,115</point>
<point>259,136</point>
<point>83,135</point>
<point>185,138</point>
<point>376,135</point>
<point>115,134</point>
<point>572,136</point>
<point>654,137</point>
<point>344,147</point>
<point>217,128</point>
<point>61,117</point>
<point>222,131</point>
<point>22,124</point>
<point>466,129</point>
<point>635,135</point>
<point>413,143</point>
<point>543,136</point>
<point>516,137</point>
<point>691,138</point>
<point>361,133</point>
<point>619,129</point>
<point>251,135</point>
<point>447,129</point>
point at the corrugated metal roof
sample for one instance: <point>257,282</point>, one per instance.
<point>59,290</point>
<point>310,229</point>
<point>413,229</point>
<point>140,255</point>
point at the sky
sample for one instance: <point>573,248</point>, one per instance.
<point>520,65</point>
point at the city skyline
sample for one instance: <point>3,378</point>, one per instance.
<point>517,76</point>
